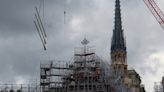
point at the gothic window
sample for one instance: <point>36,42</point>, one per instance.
<point>115,57</point>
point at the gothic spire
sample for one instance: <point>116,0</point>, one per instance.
<point>118,41</point>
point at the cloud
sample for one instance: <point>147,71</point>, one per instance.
<point>22,51</point>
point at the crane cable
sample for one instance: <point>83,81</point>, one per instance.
<point>39,24</point>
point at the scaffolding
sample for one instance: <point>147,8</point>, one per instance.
<point>51,75</point>
<point>33,87</point>
<point>87,73</point>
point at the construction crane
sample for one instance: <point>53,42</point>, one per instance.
<point>156,11</point>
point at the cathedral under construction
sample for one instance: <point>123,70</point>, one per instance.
<point>87,72</point>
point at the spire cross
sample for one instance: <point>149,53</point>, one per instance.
<point>85,42</point>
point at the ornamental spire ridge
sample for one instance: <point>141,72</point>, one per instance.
<point>118,41</point>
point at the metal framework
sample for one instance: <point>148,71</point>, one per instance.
<point>51,75</point>
<point>20,87</point>
<point>158,14</point>
<point>87,73</point>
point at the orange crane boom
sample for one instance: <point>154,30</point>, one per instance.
<point>158,14</point>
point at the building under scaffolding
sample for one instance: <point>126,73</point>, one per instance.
<point>87,73</point>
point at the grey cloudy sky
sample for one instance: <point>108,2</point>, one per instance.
<point>21,48</point>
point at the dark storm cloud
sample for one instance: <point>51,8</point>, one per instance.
<point>21,48</point>
<point>16,17</point>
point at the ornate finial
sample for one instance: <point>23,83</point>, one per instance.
<point>84,42</point>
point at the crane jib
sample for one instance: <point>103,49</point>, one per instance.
<point>158,14</point>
